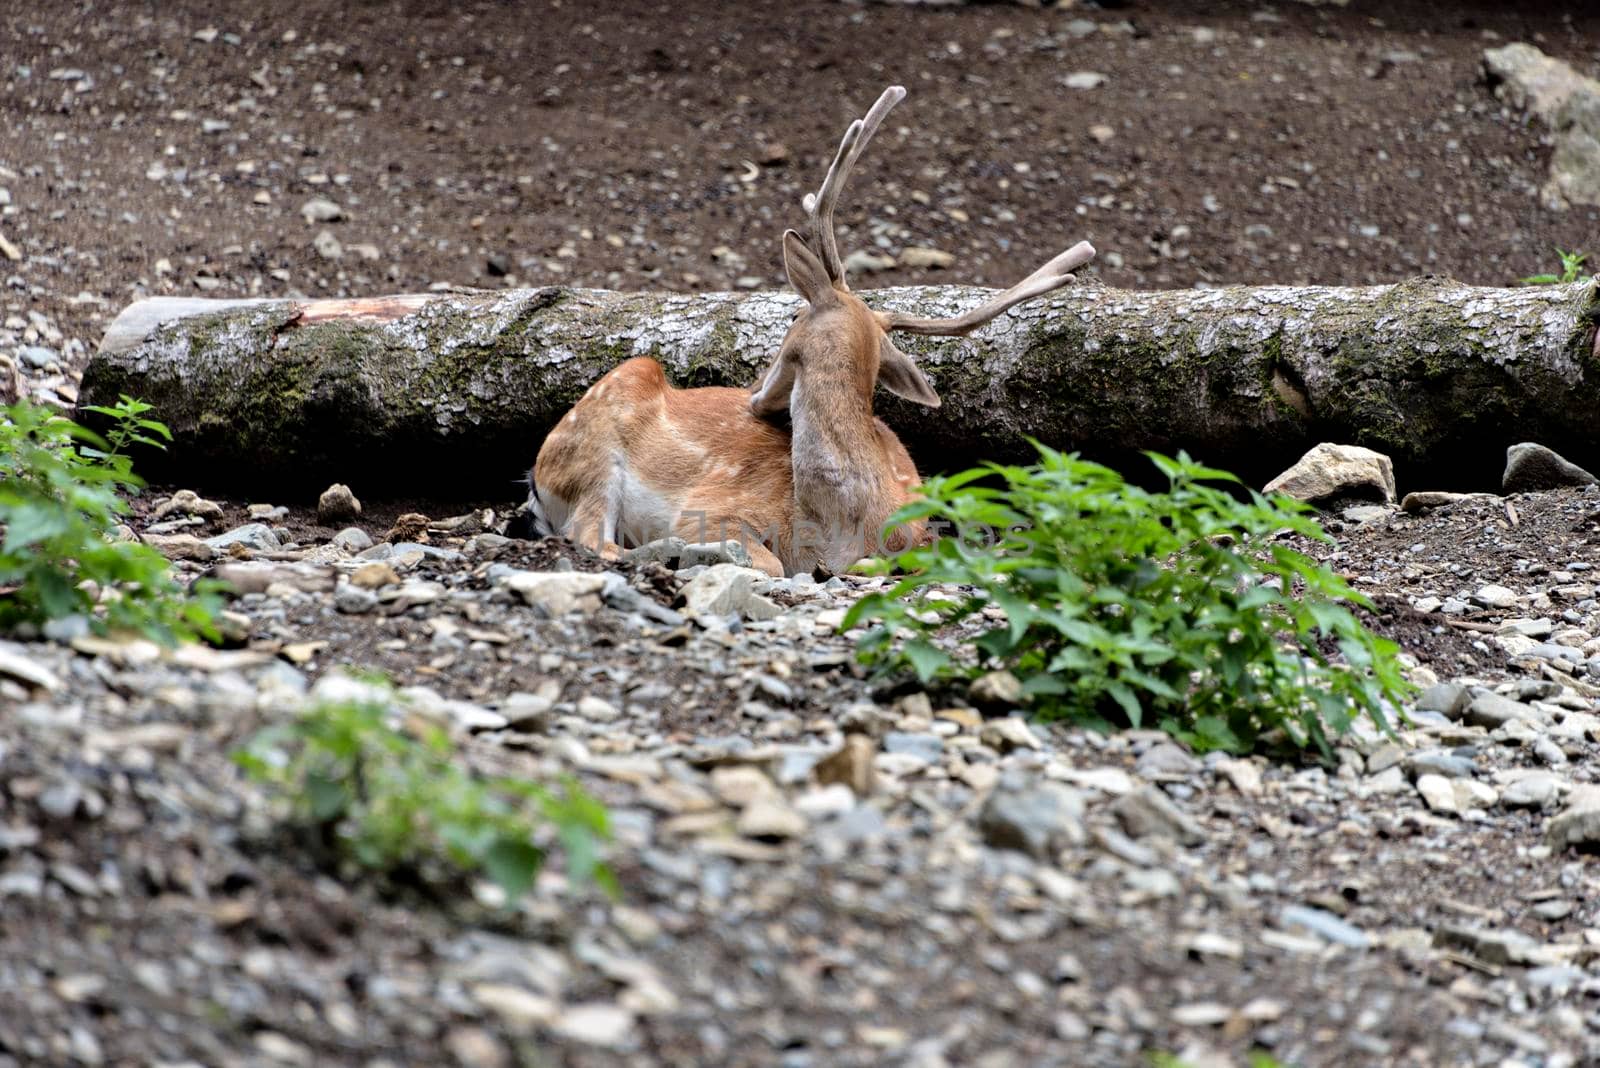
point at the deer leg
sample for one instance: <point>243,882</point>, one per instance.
<point>587,528</point>
<point>764,559</point>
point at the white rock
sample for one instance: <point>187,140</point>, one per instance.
<point>321,210</point>
<point>557,592</point>
<point>770,817</point>
<point>926,258</point>
<point>26,669</point>
<point>1494,596</point>
<point>1329,470</point>
<point>1438,793</point>
<point>725,588</point>
<point>1004,735</point>
<point>521,1010</point>
<point>825,802</point>
<point>595,1024</point>
<point>741,785</point>
<point>1470,793</point>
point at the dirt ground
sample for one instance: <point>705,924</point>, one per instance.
<point>169,148</point>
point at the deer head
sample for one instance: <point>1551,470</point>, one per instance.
<point>838,348</point>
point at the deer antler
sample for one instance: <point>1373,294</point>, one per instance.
<point>819,205</point>
<point>1052,275</point>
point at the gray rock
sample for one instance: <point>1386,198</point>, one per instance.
<point>1037,818</point>
<point>1166,762</point>
<point>1440,762</point>
<point>1331,471</point>
<point>1530,80</point>
<point>1549,752</point>
<point>255,536</point>
<point>624,598</point>
<point>1577,827</point>
<point>1498,946</point>
<point>1531,791</point>
<point>1422,500</point>
<point>1448,698</point>
<point>1568,103</point>
<point>37,356</point>
<point>60,799</point>
<point>665,551</point>
<point>403,548</point>
<point>337,505</point>
<point>353,540</point>
<point>714,552</point>
<point>1531,467</point>
<point>1150,811</point>
<point>925,747</point>
<point>1575,163</point>
<point>354,600</point>
<point>1324,925</point>
<point>1490,710</point>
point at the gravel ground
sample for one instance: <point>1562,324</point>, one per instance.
<point>813,872</point>
<point>790,896</point>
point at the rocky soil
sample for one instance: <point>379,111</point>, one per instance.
<point>815,871</point>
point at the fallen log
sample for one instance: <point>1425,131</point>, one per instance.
<point>442,395</point>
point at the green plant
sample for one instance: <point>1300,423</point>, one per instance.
<point>128,427</point>
<point>1571,270</point>
<point>1116,604</point>
<point>59,501</point>
<point>392,803</point>
<point>1257,1059</point>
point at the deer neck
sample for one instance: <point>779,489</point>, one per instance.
<point>839,471</point>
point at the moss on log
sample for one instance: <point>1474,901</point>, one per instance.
<point>450,394</point>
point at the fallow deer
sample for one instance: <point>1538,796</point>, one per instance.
<point>637,459</point>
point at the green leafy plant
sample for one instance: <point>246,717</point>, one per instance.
<point>394,803</point>
<point>1571,270</point>
<point>128,427</point>
<point>60,487</point>
<point>1257,1059</point>
<point>1114,604</point>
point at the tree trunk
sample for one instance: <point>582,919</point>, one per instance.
<point>445,395</point>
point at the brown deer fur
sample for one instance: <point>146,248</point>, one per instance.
<point>637,459</point>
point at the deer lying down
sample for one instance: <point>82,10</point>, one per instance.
<point>637,460</point>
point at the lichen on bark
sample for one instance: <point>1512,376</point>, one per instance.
<point>465,386</point>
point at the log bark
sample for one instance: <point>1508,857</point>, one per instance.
<point>450,394</point>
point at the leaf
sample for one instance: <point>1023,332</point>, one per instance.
<point>926,659</point>
<point>1129,702</point>
<point>327,798</point>
<point>32,522</point>
<point>513,864</point>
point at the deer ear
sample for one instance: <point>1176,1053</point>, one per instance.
<point>900,376</point>
<point>806,272</point>
<point>771,395</point>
